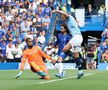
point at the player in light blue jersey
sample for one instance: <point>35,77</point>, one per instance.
<point>75,42</point>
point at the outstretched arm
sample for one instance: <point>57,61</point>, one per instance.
<point>21,66</point>
<point>46,56</point>
<point>61,12</point>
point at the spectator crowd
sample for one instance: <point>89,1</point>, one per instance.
<point>19,18</point>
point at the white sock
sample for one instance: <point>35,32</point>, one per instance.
<point>56,66</point>
<point>60,68</point>
<point>80,71</point>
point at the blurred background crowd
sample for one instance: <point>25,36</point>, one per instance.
<point>19,18</point>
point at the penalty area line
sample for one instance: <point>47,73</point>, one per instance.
<point>55,80</point>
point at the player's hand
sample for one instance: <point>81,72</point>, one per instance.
<point>18,75</point>
<point>53,61</point>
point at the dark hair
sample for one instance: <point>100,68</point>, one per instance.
<point>27,39</point>
<point>65,26</point>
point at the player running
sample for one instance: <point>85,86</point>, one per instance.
<point>75,42</point>
<point>34,56</point>
<point>62,39</point>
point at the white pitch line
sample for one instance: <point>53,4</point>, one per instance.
<point>63,78</point>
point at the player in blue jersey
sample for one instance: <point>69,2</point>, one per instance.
<point>76,40</point>
<point>62,39</point>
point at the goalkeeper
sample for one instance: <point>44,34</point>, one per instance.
<point>34,56</point>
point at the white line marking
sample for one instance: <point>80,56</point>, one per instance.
<point>64,78</point>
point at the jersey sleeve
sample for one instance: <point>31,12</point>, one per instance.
<point>23,61</point>
<point>44,54</point>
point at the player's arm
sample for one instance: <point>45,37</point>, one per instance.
<point>61,12</point>
<point>46,56</point>
<point>21,66</point>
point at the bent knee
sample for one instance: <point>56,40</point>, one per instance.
<point>65,49</point>
<point>60,59</point>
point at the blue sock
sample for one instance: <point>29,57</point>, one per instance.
<point>78,62</point>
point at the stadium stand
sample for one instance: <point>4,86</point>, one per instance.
<point>19,18</point>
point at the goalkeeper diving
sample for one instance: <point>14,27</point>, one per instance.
<point>34,54</point>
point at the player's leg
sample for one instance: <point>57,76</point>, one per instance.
<point>67,47</point>
<point>62,57</point>
<point>79,64</point>
<point>60,65</point>
<point>75,43</point>
<point>44,69</point>
<point>36,69</point>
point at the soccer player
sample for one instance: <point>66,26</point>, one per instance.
<point>62,39</point>
<point>75,42</point>
<point>34,56</point>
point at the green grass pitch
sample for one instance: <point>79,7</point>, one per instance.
<point>30,81</point>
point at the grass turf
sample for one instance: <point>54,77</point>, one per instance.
<point>30,81</point>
